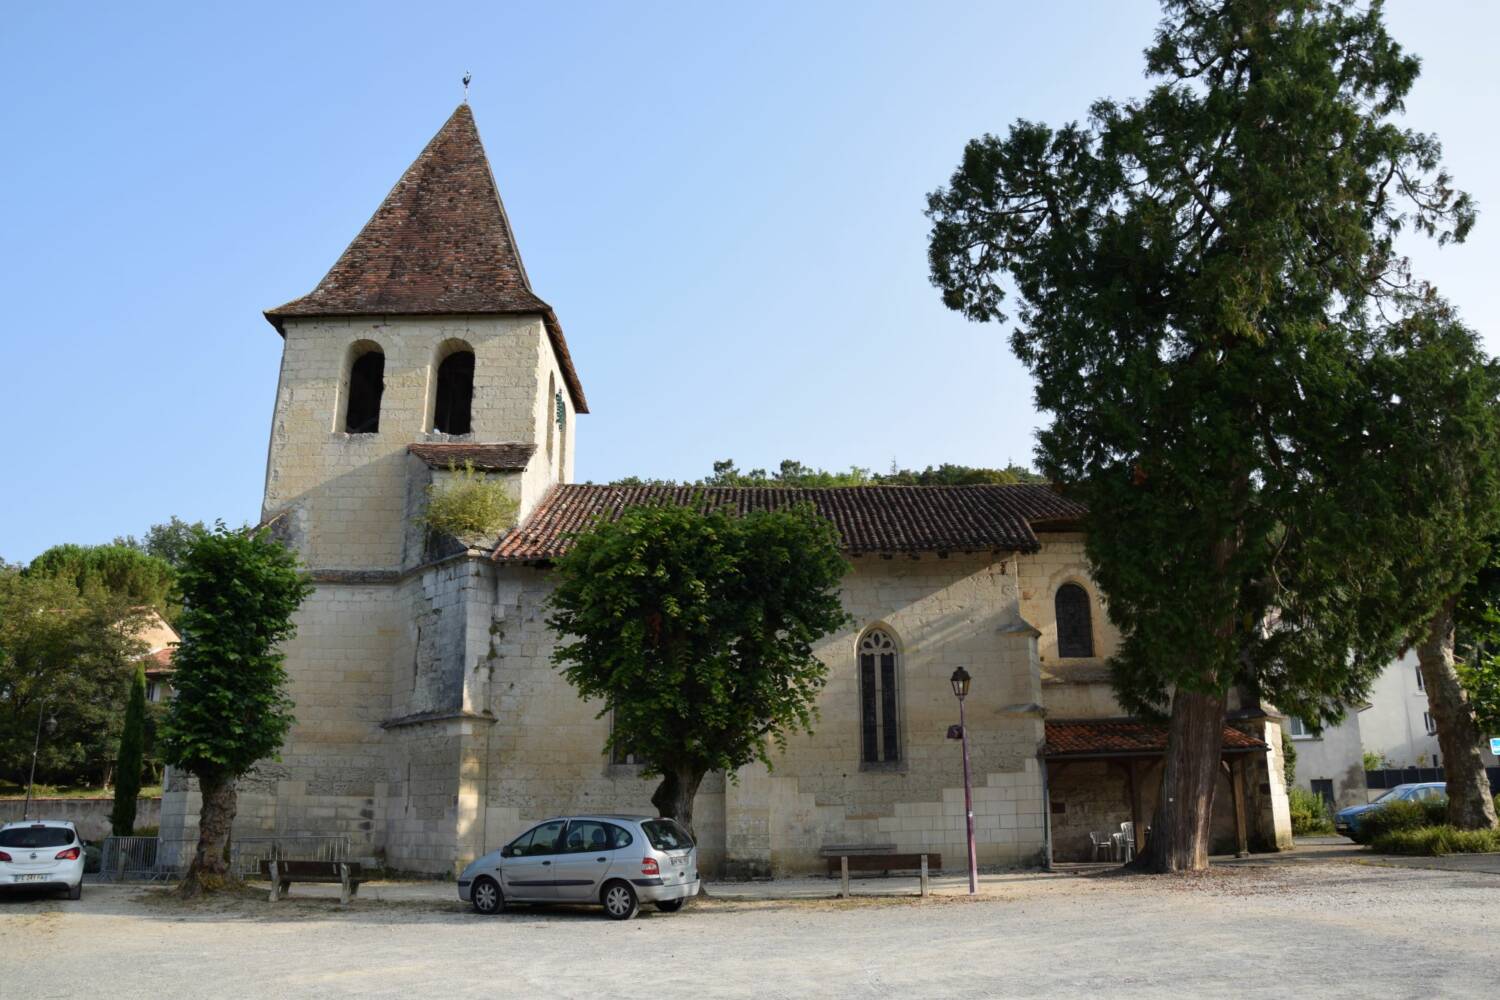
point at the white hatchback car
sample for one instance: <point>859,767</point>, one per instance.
<point>41,854</point>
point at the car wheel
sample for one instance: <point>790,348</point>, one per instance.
<point>76,892</point>
<point>671,905</point>
<point>486,897</point>
<point>620,902</point>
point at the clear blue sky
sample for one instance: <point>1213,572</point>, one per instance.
<point>723,202</point>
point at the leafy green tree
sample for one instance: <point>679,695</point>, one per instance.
<point>125,572</point>
<point>1217,318</point>
<point>240,590</point>
<point>131,758</point>
<point>793,473</point>
<point>168,542</point>
<point>65,657</point>
<point>695,629</point>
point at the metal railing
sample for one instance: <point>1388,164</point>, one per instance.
<point>144,859</point>
<point>153,859</point>
<point>246,853</point>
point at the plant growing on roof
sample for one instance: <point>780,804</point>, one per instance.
<point>469,505</point>
<point>695,630</point>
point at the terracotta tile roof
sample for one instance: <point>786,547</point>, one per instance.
<point>509,457</point>
<point>160,661</point>
<point>870,519</point>
<point>440,244</point>
<point>1126,737</point>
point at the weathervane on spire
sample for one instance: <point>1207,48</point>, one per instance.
<point>467,77</point>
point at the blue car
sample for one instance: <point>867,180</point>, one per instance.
<point>1346,821</point>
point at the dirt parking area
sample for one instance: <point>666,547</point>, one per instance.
<point>1252,931</point>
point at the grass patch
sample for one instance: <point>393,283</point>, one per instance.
<point>1435,841</point>
<point>9,791</point>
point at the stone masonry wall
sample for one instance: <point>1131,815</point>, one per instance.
<point>346,493</point>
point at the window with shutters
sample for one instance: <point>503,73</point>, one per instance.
<point>880,730</point>
<point>1075,623</point>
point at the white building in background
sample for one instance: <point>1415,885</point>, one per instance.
<point>1329,762</point>
<point>1394,725</point>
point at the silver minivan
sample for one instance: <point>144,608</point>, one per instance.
<point>618,862</point>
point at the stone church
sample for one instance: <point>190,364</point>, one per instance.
<point>431,726</point>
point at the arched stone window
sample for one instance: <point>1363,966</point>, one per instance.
<point>365,386</point>
<point>455,393</point>
<point>1075,622</point>
<point>879,726</point>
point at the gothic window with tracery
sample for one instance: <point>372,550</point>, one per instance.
<point>880,731</point>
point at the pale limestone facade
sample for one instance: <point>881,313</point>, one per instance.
<point>431,724</point>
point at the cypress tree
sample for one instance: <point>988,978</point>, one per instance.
<point>132,752</point>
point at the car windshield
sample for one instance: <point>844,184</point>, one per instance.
<point>36,836</point>
<point>1399,792</point>
<point>666,835</point>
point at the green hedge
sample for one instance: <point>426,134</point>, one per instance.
<point>1405,815</point>
<point>1309,813</point>
<point>1437,840</point>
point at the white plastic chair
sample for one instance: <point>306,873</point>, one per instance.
<point>1103,842</point>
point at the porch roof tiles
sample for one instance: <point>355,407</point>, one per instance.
<point>1126,738</point>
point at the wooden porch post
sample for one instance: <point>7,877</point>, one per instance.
<point>1237,784</point>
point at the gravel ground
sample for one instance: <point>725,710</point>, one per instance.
<point>1248,931</point>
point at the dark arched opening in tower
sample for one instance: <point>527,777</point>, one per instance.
<point>455,393</point>
<point>366,384</point>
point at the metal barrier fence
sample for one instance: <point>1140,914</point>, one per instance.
<point>151,859</point>
<point>246,853</point>
<point>1391,777</point>
<point>144,859</point>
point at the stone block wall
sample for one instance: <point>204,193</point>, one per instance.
<point>348,492</point>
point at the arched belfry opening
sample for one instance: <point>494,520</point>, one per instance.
<point>452,410</point>
<point>366,384</point>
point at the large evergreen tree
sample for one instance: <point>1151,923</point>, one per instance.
<point>230,710</point>
<point>1217,318</point>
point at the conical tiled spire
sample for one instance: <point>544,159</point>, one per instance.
<point>439,244</point>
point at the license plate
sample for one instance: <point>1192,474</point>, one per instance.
<point>679,862</point>
<point>31,878</point>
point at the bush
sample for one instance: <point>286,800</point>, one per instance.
<point>469,505</point>
<point>1309,813</point>
<point>1405,815</point>
<point>1437,840</point>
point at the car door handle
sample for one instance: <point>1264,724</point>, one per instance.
<point>546,862</point>
<point>601,860</point>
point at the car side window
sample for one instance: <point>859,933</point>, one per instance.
<point>586,836</point>
<point>618,836</point>
<point>538,840</point>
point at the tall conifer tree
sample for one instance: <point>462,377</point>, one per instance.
<point>1233,351</point>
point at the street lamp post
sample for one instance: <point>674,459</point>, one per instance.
<point>36,747</point>
<point>960,681</point>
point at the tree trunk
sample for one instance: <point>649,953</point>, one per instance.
<point>673,798</point>
<point>1469,804</point>
<point>1183,820</point>
<point>210,867</point>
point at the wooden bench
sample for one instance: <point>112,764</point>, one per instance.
<point>844,858</point>
<point>281,873</point>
